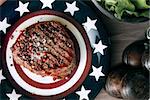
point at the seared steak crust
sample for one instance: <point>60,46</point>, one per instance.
<point>46,48</point>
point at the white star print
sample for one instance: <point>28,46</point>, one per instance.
<point>47,3</point>
<point>1,76</point>
<point>71,8</point>
<point>97,72</point>
<point>83,93</point>
<point>4,25</point>
<point>99,47</point>
<point>22,8</point>
<point>90,24</point>
<point>13,95</point>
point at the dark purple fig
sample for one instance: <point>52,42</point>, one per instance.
<point>113,84</point>
<point>133,53</point>
<point>135,85</point>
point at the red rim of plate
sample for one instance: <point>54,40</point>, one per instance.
<point>80,29</point>
<point>42,85</point>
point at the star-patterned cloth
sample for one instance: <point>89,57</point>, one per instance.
<point>1,76</point>
<point>4,25</point>
<point>71,8</point>
<point>97,72</point>
<point>47,3</point>
<point>13,95</point>
<point>13,10</point>
<point>83,93</point>
<point>22,8</point>
<point>99,47</point>
<point>90,24</point>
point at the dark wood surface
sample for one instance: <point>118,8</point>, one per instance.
<point>121,35</point>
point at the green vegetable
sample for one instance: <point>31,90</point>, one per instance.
<point>110,5</point>
<point>132,13</point>
<point>121,8</point>
<point>145,14</point>
<point>140,4</point>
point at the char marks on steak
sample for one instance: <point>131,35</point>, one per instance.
<point>46,48</point>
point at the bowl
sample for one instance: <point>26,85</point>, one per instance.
<point>37,86</point>
<point>112,17</point>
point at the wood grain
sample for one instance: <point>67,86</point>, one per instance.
<point>104,96</point>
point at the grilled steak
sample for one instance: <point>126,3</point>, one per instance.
<point>46,48</point>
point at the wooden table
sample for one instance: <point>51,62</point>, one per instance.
<point>121,35</point>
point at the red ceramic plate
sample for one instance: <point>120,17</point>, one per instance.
<point>45,87</point>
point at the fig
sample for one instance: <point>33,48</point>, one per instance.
<point>133,53</point>
<point>114,79</point>
<point>135,85</point>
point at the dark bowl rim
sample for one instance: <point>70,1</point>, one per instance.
<point>111,16</point>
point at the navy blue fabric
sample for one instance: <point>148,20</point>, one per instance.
<point>7,10</point>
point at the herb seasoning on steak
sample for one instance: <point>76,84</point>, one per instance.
<point>46,48</point>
